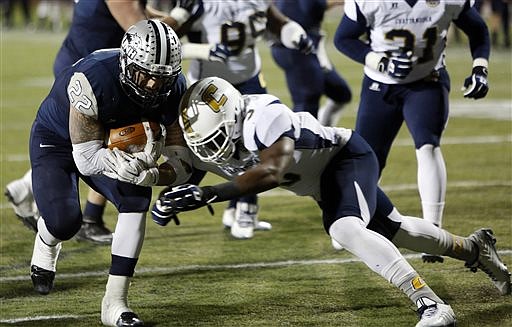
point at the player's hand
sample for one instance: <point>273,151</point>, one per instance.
<point>154,144</point>
<point>162,215</point>
<point>127,168</point>
<point>306,45</point>
<point>476,86</point>
<point>398,64</point>
<point>181,198</point>
<point>219,53</point>
<point>188,5</point>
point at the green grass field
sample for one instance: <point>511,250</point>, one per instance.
<point>196,275</point>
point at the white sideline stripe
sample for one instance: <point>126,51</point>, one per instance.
<point>20,157</point>
<point>39,318</point>
<point>193,268</point>
<point>405,187</point>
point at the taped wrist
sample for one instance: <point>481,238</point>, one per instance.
<point>376,61</point>
<point>89,156</point>
<point>180,15</point>
<point>291,33</point>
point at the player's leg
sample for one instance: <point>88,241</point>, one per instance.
<point>338,95</point>
<point>348,202</point>
<point>476,251</point>
<point>56,194</point>
<point>20,196</point>
<point>241,215</point>
<point>93,227</point>
<point>378,121</point>
<point>132,203</point>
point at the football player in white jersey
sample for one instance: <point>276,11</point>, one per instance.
<point>258,143</point>
<point>406,80</point>
<point>223,43</point>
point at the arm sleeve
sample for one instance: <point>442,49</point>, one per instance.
<point>473,25</point>
<point>347,39</point>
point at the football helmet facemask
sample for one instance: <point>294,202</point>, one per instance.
<point>211,114</point>
<point>150,62</point>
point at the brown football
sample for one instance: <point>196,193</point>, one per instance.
<point>131,138</point>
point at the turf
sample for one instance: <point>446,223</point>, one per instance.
<point>196,275</point>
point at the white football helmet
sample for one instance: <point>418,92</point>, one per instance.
<point>211,114</point>
<point>150,62</point>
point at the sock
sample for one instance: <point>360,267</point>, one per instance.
<point>93,213</point>
<point>115,301</point>
<point>431,182</point>
<point>46,248</point>
<point>129,234</point>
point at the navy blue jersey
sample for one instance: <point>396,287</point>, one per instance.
<point>92,28</point>
<point>115,109</point>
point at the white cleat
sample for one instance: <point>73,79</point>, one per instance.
<point>117,314</point>
<point>228,217</point>
<point>433,314</point>
<point>20,197</point>
<point>489,261</point>
<point>245,216</point>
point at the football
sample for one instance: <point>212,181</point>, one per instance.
<point>131,138</point>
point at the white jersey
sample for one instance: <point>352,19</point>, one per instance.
<point>395,26</point>
<point>238,24</point>
<point>266,120</point>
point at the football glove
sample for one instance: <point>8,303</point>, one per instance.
<point>219,53</point>
<point>188,5</point>
<point>397,65</point>
<point>163,215</point>
<point>293,36</point>
<point>127,168</point>
<point>476,85</point>
<point>181,198</point>
<point>154,145</point>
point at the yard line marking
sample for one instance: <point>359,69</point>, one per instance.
<point>39,318</point>
<point>486,139</point>
<point>386,188</point>
<point>194,268</point>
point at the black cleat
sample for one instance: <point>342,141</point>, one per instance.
<point>95,233</point>
<point>42,279</point>
<point>129,319</point>
<point>431,258</point>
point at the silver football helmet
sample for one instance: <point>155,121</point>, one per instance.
<point>150,62</point>
<point>211,114</point>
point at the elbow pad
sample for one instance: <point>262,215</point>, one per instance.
<point>180,158</point>
<point>89,156</point>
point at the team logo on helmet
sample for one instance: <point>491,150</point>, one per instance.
<point>433,3</point>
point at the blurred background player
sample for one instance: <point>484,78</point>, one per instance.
<point>223,43</point>
<point>96,24</point>
<point>499,20</point>
<point>109,88</point>
<point>406,80</point>
<point>309,76</point>
<point>276,147</point>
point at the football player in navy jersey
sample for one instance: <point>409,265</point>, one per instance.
<point>310,76</point>
<point>405,79</point>
<point>223,43</point>
<point>96,24</point>
<point>257,144</point>
<point>107,89</point>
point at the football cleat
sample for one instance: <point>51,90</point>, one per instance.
<point>95,233</point>
<point>243,225</point>
<point>431,258</point>
<point>25,209</point>
<point>433,314</point>
<point>129,319</point>
<point>489,261</point>
<point>228,217</point>
<point>42,279</point>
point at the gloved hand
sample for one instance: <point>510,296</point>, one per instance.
<point>305,44</point>
<point>127,168</point>
<point>154,145</point>
<point>476,85</point>
<point>397,64</point>
<point>219,53</point>
<point>163,215</point>
<point>181,198</point>
<point>188,5</point>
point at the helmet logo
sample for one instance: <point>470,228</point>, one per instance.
<point>131,44</point>
<point>208,98</point>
